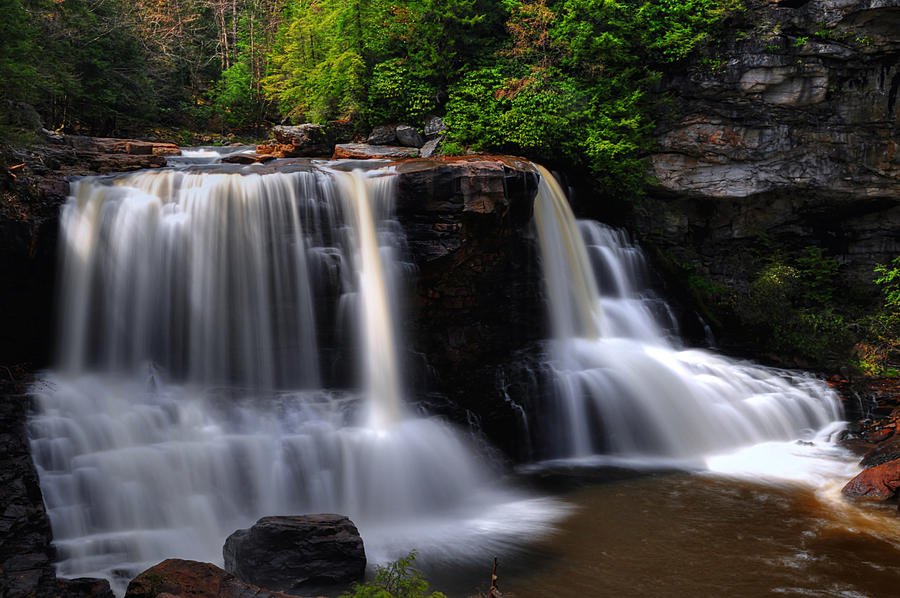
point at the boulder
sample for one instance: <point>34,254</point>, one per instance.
<point>83,587</point>
<point>383,135</point>
<point>876,483</point>
<point>291,553</point>
<point>408,136</point>
<point>364,151</point>
<point>305,140</point>
<point>435,126</point>
<point>888,450</point>
<point>180,578</point>
<point>430,147</point>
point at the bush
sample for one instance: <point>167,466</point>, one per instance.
<point>397,580</point>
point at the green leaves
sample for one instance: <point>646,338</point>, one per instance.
<point>397,580</point>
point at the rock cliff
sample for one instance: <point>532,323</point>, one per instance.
<point>789,129</point>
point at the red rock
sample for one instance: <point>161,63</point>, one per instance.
<point>876,483</point>
<point>176,577</point>
<point>880,435</point>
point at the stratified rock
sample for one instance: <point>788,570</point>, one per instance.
<point>305,140</point>
<point>467,221</point>
<point>193,579</point>
<point>383,135</point>
<point>297,553</point>
<point>409,137</point>
<point>364,151</point>
<point>789,134</point>
<point>435,126</point>
<point>26,557</point>
<point>876,483</point>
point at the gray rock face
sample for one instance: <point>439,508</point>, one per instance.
<point>409,137</point>
<point>385,135</point>
<point>307,552</point>
<point>792,135</point>
<point>434,127</point>
<point>430,147</point>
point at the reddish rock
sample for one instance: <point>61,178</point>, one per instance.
<point>876,483</point>
<point>176,577</point>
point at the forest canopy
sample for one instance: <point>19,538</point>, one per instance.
<point>544,78</point>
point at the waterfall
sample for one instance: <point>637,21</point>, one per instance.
<point>621,384</point>
<point>227,351</point>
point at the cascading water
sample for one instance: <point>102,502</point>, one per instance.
<point>208,318</point>
<point>621,386</point>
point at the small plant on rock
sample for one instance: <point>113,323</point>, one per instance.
<point>396,580</point>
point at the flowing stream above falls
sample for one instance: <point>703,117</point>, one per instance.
<point>228,350</point>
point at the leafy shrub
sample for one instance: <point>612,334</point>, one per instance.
<point>396,580</point>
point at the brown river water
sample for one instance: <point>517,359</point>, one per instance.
<point>693,535</point>
<point>696,534</point>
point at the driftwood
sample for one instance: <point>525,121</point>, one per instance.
<point>493,591</point>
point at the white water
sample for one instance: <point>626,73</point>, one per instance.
<point>228,352</point>
<point>622,386</point>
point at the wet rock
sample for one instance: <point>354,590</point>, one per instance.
<point>300,141</point>
<point>885,451</point>
<point>26,555</point>
<point>83,587</point>
<point>307,552</point>
<point>383,135</point>
<point>876,483</point>
<point>192,579</point>
<point>409,137</point>
<point>477,296</point>
<point>364,151</point>
<point>244,159</point>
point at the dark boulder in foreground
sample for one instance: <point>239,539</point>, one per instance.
<point>183,579</point>
<point>308,552</point>
<point>876,483</point>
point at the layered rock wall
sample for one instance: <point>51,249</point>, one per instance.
<point>790,130</point>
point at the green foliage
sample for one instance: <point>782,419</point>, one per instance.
<point>888,278</point>
<point>571,83</point>
<point>397,580</point>
<point>452,148</point>
<point>790,308</point>
<point>396,94</point>
<point>879,352</point>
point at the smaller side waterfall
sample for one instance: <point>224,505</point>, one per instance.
<point>621,385</point>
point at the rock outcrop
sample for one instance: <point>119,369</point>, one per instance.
<point>791,131</point>
<point>297,553</point>
<point>177,578</point>
<point>877,483</point>
<point>33,186</point>
<point>477,297</point>
<point>26,553</point>
<point>366,151</point>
